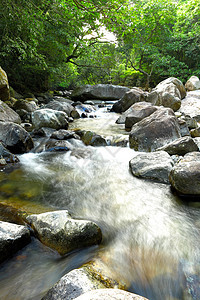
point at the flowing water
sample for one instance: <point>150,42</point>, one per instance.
<point>150,237</point>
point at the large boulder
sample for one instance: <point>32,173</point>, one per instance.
<point>155,166</point>
<point>137,112</point>
<point>185,175</point>
<point>49,118</point>
<point>15,138</point>
<point>12,238</point>
<point>155,131</point>
<point>26,105</point>
<point>109,294</point>
<point>133,96</point>
<point>99,91</point>
<point>59,231</point>
<point>180,146</point>
<point>190,106</point>
<point>193,84</point>
<point>4,86</point>
<point>7,114</point>
<point>170,92</point>
<point>60,106</point>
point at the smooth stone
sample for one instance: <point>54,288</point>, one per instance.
<point>109,294</point>
<point>60,106</point>
<point>92,139</point>
<point>63,134</point>
<point>49,118</point>
<point>13,237</point>
<point>185,175</point>
<point>154,165</point>
<point>190,105</point>
<point>193,83</point>
<point>180,146</point>
<point>155,131</point>
<point>7,114</point>
<point>60,232</point>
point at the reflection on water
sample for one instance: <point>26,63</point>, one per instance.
<point>150,239</point>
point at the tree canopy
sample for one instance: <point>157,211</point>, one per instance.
<point>50,43</point>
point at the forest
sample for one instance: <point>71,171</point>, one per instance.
<point>51,44</point>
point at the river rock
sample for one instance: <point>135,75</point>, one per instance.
<point>7,114</point>
<point>12,238</point>
<point>26,105</point>
<point>15,138</point>
<point>49,118</point>
<point>137,112</point>
<point>109,294</point>
<point>60,106</point>
<point>155,131</point>
<point>190,105</point>
<point>195,132</point>
<point>183,127</point>
<point>155,166</point>
<point>133,96</point>
<point>193,84</point>
<point>92,139</point>
<point>170,92</point>
<point>4,86</point>
<point>99,91</point>
<point>184,176</point>
<point>64,134</point>
<point>59,231</point>
<point>52,145</point>
<point>7,155</point>
<point>180,146</point>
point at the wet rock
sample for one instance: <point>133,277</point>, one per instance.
<point>137,112</point>
<point>59,231</point>
<point>185,175</point>
<point>7,155</point>
<point>190,105</point>
<point>52,145</point>
<point>155,131</point>
<point>7,114</point>
<point>155,166</point>
<point>119,141</point>
<point>4,86</point>
<point>92,139</point>
<point>49,118</point>
<point>12,238</point>
<point>133,96</point>
<point>195,132</point>
<point>60,106</point>
<point>99,91</point>
<point>183,127</point>
<point>28,106</point>
<point>109,294</point>
<point>43,132</point>
<point>15,138</point>
<point>85,110</point>
<point>78,282</point>
<point>193,84</point>
<point>63,134</point>
<point>180,146</point>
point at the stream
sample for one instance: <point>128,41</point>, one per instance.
<point>150,235</point>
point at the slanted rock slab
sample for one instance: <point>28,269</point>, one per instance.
<point>12,238</point>
<point>185,175</point>
<point>155,131</point>
<point>59,231</point>
<point>155,166</point>
<point>180,146</point>
<point>109,294</point>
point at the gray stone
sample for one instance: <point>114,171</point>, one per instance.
<point>99,91</point>
<point>195,132</point>
<point>15,138</point>
<point>180,146</point>
<point>183,127</point>
<point>60,106</point>
<point>12,238</point>
<point>137,112</point>
<point>7,114</point>
<point>155,166</point>
<point>52,145</point>
<point>59,231</point>
<point>190,105</point>
<point>49,118</point>
<point>193,84</point>
<point>26,105</point>
<point>92,139</point>
<point>133,96</point>
<point>63,134</point>
<point>109,294</point>
<point>155,131</point>
<point>185,175</point>
<point>4,86</point>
